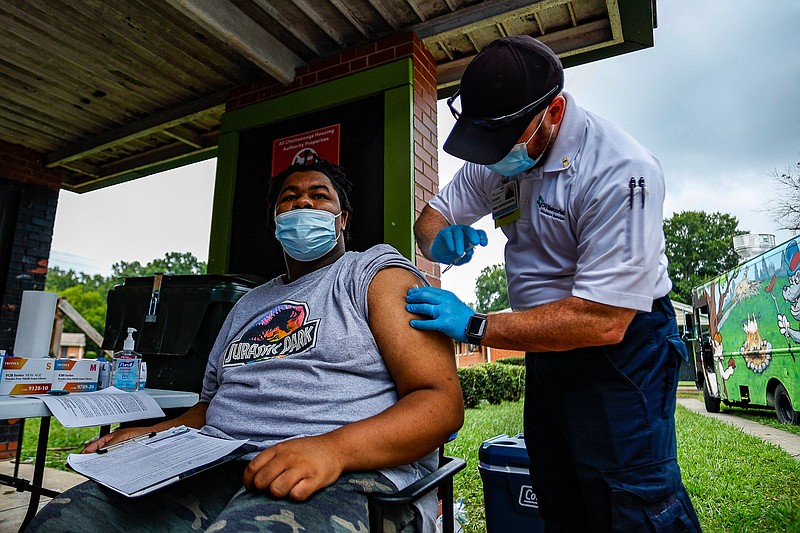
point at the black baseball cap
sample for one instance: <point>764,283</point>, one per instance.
<point>502,89</point>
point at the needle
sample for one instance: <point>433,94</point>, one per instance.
<point>457,259</point>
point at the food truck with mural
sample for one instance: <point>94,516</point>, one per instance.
<point>747,334</point>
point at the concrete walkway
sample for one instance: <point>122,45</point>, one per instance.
<point>788,441</point>
<point>14,505</point>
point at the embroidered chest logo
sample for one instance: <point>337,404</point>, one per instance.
<point>550,210</point>
<point>280,332</point>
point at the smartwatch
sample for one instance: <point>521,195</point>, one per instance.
<point>476,328</point>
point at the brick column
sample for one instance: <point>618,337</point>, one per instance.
<point>426,166</point>
<point>31,200</point>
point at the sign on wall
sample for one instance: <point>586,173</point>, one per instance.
<point>303,147</point>
<point>350,135</point>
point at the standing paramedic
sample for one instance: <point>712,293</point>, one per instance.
<point>581,204</point>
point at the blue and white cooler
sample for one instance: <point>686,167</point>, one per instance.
<point>508,497</point>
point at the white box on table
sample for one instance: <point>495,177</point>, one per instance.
<point>75,375</point>
<point>26,376</point>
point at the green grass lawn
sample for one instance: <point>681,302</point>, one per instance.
<point>738,483</point>
<point>62,442</point>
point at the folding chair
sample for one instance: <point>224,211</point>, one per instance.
<point>441,478</point>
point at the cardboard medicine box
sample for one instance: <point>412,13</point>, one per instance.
<point>75,375</point>
<point>26,376</point>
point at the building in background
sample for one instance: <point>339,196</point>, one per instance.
<point>73,345</point>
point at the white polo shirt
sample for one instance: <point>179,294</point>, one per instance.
<point>583,230</point>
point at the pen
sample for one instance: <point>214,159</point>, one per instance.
<point>457,259</point>
<point>631,186</point>
<point>173,432</point>
<point>641,184</point>
<point>143,436</point>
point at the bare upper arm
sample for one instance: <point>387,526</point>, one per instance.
<point>416,359</point>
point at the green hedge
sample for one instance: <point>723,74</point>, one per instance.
<point>519,361</point>
<point>493,382</point>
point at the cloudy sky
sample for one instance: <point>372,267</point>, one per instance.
<point>717,100</point>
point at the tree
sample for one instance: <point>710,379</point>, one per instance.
<point>699,247</point>
<point>785,206</point>
<point>491,289</point>
<point>173,263</point>
<point>58,280</point>
<point>91,304</point>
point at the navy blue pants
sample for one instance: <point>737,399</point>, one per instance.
<point>600,432</point>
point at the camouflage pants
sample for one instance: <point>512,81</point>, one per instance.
<point>216,501</point>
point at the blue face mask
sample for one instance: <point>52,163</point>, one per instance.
<point>306,234</point>
<point>518,160</point>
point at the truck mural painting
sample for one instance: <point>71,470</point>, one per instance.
<point>747,334</point>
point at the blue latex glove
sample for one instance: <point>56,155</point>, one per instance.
<point>449,315</point>
<point>451,242</point>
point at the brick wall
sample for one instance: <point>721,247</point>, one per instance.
<point>402,45</point>
<point>470,358</point>
<point>36,188</point>
<point>498,353</point>
<point>24,166</point>
<point>426,166</point>
<point>328,68</point>
<point>468,355</point>
<point>9,437</point>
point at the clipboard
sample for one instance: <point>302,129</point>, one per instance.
<point>151,461</point>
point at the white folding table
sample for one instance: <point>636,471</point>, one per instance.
<point>12,407</point>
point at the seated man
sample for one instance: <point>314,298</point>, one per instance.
<point>320,369</point>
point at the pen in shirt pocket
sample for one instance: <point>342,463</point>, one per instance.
<point>631,189</point>
<point>641,184</point>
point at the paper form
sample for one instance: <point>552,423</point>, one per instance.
<point>143,464</point>
<point>100,408</point>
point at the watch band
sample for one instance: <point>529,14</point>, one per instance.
<point>476,328</point>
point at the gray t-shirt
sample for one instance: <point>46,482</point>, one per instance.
<point>299,359</point>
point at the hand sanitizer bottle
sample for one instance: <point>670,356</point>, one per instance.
<point>126,365</point>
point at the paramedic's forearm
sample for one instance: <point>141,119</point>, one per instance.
<point>558,326</point>
<point>429,223</point>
